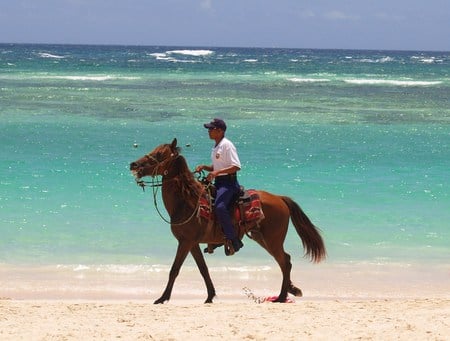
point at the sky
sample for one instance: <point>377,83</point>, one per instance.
<point>335,24</point>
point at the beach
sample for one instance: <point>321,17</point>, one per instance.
<point>359,139</point>
<point>375,302</point>
<point>381,319</point>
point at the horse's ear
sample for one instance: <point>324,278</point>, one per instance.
<point>173,146</point>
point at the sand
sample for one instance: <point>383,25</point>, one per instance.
<point>382,319</point>
<point>341,302</point>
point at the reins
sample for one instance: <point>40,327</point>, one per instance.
<point>155,183</point>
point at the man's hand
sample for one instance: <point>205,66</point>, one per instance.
<point>211,176</point>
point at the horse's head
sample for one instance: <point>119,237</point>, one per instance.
<point>157,162</point>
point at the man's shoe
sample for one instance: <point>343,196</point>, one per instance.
<point>232,246</point>
<point>237,244</point>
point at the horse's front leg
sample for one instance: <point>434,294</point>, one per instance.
<point>200,261</point>
<point>182,251</point>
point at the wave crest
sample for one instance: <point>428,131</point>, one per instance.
<point>308,80</point>
<point>94,78</point>
<point>49,55</point>
<point>391,82</point>
<point>196,53</point>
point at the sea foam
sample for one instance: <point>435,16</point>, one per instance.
<point>49,55</point>
<point>196,53</point>
<point>391,82</point>
<point>96,78</point>
<point>308,80</point>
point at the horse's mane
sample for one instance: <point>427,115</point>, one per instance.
<point>190,188</point>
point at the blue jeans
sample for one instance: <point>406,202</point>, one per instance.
<point>227,190</point>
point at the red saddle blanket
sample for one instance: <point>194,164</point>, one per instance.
<point>247,208</point>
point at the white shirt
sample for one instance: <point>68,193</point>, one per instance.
<point>224,155</point>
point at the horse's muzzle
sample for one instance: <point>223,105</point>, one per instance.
<point>136,169</point>
<point>134,166</point>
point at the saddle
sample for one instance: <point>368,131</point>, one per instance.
<point>246,210</point>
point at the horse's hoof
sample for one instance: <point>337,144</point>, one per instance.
<point>278,300</point>
<point>159,301</point>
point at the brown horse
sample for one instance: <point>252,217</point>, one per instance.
<point>181,192</point>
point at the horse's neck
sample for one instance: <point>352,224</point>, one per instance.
<point>170,195</point>
<point>178,195</point>
<point>180,190</point>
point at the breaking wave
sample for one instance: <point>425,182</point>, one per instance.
<point>308,80</point>
<point>94,78</point>
<point>196,53</point>
<point>391,82</point>
<point>49,55</point>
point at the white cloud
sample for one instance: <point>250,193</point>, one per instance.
<point>339,15</point>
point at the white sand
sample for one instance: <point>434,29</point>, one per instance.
<point>388,319</point>
<point>342,302</point>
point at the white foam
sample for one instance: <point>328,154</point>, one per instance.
<point>81,267</point>
<point>49,55</point>
<point>96,78</point>
<point>191,52</point>
<point>156,268</point>
<point>385,60</point>
<point>170,59</point>
<point>379,60</point>
<point>426,60</point>
<point>308,80</point>
<point>159,55</point>
<point>391,82</point>
<point>167,56</point>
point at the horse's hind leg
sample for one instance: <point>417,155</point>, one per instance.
<point>200,261</point>
<point>182,252</point>
<point>284,261</point>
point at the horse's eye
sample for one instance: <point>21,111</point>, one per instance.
<point>158,156</point>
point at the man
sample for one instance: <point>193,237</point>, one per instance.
<point>225,165</point>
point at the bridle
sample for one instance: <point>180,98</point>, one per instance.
<point>155,183</point>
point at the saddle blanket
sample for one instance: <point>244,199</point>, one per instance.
<point>247,208</point>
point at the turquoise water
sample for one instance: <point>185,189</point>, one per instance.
<point>360,139</point>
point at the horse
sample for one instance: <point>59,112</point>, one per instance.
<point>181,191</point>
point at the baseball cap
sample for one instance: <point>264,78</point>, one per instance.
<point>216,123</point>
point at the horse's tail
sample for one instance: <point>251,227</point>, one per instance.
<point>308,232</point>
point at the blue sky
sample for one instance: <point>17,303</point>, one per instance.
<point>352,24</point>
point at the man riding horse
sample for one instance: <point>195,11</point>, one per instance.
<point>223,170</point>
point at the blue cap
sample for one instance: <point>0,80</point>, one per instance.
<point>216,123</point>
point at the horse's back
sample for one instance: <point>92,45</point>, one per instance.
<point>273,205</point>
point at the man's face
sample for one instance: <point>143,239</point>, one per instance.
<point>214,133</point>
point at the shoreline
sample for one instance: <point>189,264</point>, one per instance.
<point>318,282</point>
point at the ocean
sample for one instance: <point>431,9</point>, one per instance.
<point>360,139</point>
